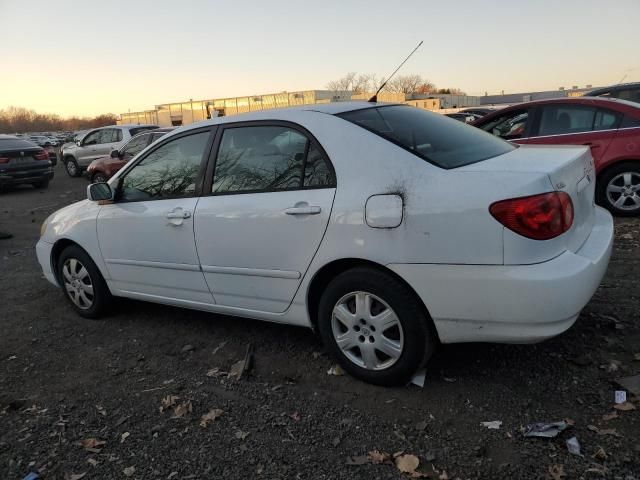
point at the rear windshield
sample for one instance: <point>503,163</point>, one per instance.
<point>440,140</point>
<point>15,143</point>
<point>137,130</point>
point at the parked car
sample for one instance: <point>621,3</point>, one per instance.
<point>463,117</point>
<point>610,127</point>
<point>103,168</point>
<point>40,140</point>
<point>386,228</point>
<point>22,161</point>
<point>623,91</point>
<point>98,143</point>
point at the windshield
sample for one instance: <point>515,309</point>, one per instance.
<point>440,140</point>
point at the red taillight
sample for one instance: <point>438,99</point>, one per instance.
<point>41,155</point>
<point>539,217</point>
<point>4,160</point>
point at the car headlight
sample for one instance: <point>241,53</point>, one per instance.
<point>43,227</point>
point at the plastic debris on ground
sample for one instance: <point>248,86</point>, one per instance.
<point>493,425</point>
<point>620,396</point>
<point>335,370</point>
<point>545,430</point>
<point>574,446</point>
<point>31,476</point>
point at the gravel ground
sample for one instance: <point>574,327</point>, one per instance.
<point>68,384</point>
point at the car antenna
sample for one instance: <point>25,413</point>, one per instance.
<point>375,95</point>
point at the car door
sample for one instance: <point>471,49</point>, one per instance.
<point>576,124</point>
<point>146,235</point>
<point>92,146</point>
<point>111,139</point>
<point>269,198</point>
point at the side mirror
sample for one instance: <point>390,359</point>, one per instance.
<point>97,192</point>
<point>115,153</point>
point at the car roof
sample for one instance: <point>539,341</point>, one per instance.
<point>613,88</point>
<point>289,112</point>
<point>616,104</point>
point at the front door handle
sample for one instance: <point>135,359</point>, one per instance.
<point>177,216</point>
<point>179,213</point>
<point>303,210</point>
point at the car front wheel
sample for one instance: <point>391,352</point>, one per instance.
<point>99,177</point>
<point>619,190</point>
<point>83,285</point>
<point>375,326</point>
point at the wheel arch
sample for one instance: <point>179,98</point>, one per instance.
<point>328,272</point>
<point>58,248</point>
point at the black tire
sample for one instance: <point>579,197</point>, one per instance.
<point>613,176</point>
<point>42,184</point>
<point>419,337</point>
<point>73,170</point>
<point>101,299</point>
<point>98,177</point>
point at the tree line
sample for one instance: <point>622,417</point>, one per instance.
<point>370,82</point>
<point>21,120</point>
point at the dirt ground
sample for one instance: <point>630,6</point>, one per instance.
<point>65,381</point>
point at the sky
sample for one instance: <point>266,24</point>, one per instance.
<point>85,58</point>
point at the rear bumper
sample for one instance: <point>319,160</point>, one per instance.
<point>513,304</point>
<point>43,252</point>
<point>16,177</point>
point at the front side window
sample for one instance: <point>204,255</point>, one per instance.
<point>135,146</point>
<point>440,140</point>
<point>93,138</point>
<point>510,126</point>
<point>267,158</point>
<point>169,171</point>
<point>566,119</point>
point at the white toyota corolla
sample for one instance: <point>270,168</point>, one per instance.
<point>384,227</point>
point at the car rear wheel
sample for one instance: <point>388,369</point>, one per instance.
<point>619,190</point>
<point>99,177</point>
<point>82,284</point>
<point>375,326</point>
<point>72,167</point>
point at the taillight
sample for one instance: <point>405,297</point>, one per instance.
<point>41,155</point>
<point>540,217</point>
<point>4,159</point>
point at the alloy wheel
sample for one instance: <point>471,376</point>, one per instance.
<point>367,330</point>
<point>77,283</point>
<point>72,168</point>
<point>99,178</point>
<point>623,191</point>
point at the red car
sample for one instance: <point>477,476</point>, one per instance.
<point>611,127</point>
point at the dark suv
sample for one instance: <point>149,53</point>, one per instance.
<point>623,91</point>
<point>23,162</point>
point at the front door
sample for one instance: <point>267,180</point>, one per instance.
<point>267,210</point>
<point>146,236</point>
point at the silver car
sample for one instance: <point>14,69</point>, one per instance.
<point>98,143</point>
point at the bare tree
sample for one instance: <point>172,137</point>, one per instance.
<point>18,119</point>
<point>354,82</point>
<point>409,84</point>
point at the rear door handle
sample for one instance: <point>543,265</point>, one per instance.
<point>303,210</point>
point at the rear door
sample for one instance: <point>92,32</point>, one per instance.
<point>269,196</point>
<point>575,124</point>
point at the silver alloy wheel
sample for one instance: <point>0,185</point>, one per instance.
<point>623,191</point>
<point>77,283</point>
<point>72,168</point>
<point>99,178</point>
<point>367,330</point>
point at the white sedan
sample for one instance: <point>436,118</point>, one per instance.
<point>385,228</point>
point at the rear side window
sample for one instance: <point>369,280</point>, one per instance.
<point>436,138</point>
<point>630,122</point>
<point>606,120</point>
<point>267,159</point>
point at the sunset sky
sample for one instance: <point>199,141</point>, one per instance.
<point>90,57</point>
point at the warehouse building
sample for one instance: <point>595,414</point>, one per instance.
<point>184,113</point>
<point>511,98</point>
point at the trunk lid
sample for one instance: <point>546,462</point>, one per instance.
<point>569,169</point>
